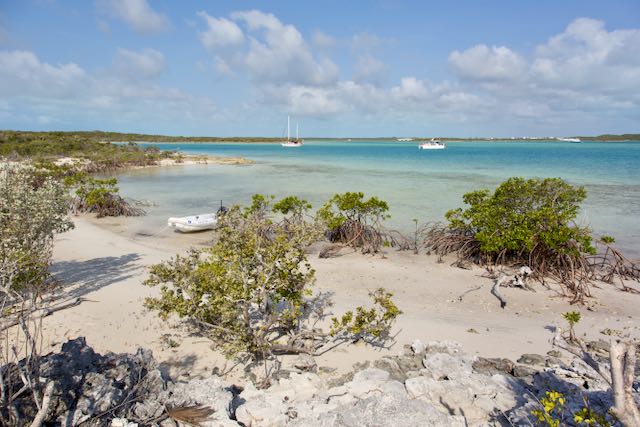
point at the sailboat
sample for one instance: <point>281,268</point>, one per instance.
<point>292,142</point>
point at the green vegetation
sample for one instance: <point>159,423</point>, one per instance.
<point>522,215</point>
<point>572,318</point>
<point>553,413</point>
<point>251,291</point>
<point>100,196</point>
<point>32,210</point>
<point>530,222</point>
<point>357,222</point>
<point>92,154</point>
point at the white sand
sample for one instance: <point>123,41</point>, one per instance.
<point>108,269</point>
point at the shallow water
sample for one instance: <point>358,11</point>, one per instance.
<point>420,184</point>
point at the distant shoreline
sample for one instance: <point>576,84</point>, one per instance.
<point>100,136</point>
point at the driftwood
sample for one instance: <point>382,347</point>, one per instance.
<point>519,280</point>
<point>570,267</point>
<point>619,376</point>
<point>45,406</point>
<point>35,312</point>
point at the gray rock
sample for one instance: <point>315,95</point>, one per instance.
<point>444,365</point>
<point>532,359</point>
<point>554,353</point>
<point>476,396</point>
<point>388,410</point>
<point>306,362</point>
<point>492,366</point>
<point>521,371</point>
<point>418,347</point>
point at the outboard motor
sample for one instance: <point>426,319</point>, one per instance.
<point>221,210</point>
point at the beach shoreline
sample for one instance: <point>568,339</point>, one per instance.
<point>440,302</point>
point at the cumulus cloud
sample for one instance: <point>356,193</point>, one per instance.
<point>370,69</point>
<point>147,63</point>
<point>483,63</point>
<point>33,88</point>
<point>138,14</point>
<point>219,32</point>
<point>275,53</point>
<point>21,72</point>
<point>586,57</point>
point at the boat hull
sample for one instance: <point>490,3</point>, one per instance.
<point>431,147</point>
<point>190,224</point>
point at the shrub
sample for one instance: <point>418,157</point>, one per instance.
<point>527,222</point>
<point>251,291</point>
<point>32,210</point>
<point>101,196</point>
<point>357,222</point>
<point>522,215</point>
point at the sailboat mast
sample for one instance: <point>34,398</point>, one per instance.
<point>297,135</point>
<point>288,131</point>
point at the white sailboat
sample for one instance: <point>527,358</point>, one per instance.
<point>292,142</point>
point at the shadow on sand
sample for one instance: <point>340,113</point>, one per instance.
<point>79,278</point>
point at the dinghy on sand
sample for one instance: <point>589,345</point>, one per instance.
<point>206,221</point>
<point>188,224</point>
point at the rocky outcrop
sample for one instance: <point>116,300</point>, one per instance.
<point>430,384</point>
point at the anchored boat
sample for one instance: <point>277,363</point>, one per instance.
<point>292,142</point>
<point>434,144</point>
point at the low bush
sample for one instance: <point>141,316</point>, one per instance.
<point>354,221</point>
<point>252,291</point>
<point>528,222</point>
<point>100,196</point>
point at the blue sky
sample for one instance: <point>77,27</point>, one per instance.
<point>341,68</point>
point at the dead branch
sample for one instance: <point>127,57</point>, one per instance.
<point>45,406</point>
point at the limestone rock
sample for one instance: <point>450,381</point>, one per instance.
<point>417,346</point>
<point>491,366</point>
<point>532,359</point>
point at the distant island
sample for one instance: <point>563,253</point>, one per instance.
<point>12,136</point>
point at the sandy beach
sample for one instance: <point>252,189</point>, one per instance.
<point>107,269</point>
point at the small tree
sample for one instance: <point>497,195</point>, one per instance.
<point>251,291</point>
<point>32,210</point>
<point>357,222</point>
<point>101,196</point>
<point>527,222</point>
<point>572,318</point>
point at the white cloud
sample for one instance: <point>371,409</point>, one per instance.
<point>138,14</point>
<point>483,63</point>
<point>21,72</point>
<point>66,92</point>
<point>220,32</point>
<point>587,58</point>
<point>369,69</point>
<point>275,54</point>
<point>147,63</point>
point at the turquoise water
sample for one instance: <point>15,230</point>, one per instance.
<point>421,184</point>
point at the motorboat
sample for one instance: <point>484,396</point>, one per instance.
<point>434,144</point>
<point>292,142</point>
<point>189,224</point>
<point>570,139</point>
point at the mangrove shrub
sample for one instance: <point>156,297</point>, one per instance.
<point>252,290</point>
<point>351,219</point>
